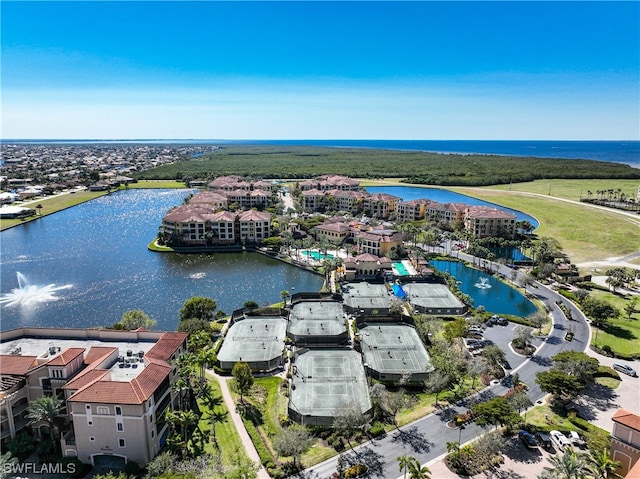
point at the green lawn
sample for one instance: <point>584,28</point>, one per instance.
<point>51,205</point>
<point>585,233</point>
<point>623,336</point>
<point>155,184</point>
<point>550,417</point>
<point>571,189</point>
<point>226,433</point>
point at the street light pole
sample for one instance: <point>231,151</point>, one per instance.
<point>460,435</point>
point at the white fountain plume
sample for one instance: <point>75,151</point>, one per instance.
<point>483,283</point>
<point>28,294</point>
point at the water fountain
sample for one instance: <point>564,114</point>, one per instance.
<point>28,294</point>
<point>483,283</point>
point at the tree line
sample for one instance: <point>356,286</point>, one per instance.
<point>415,166</point>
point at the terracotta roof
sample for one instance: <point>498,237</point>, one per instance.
<point>166,346</point>
<point>366,257</point>
<point>255,215</point>
<point>10,364</point>
<point>135,391</point>
<point>66,357</point>
<point>627,418</point>
<point>110,392</point>
<point>337,227</point>
<point>98,353</point>
<point>488,212</point>
<point>85,378</point>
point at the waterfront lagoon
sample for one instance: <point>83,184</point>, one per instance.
<point>486,290</point>
<point>92,262</point>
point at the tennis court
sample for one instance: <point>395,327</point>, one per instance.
<point>317,322</point>
<point>258,342</point>
<point>326,381</point>
<point>366,296</point>
<point>433,298</point>
<point>393,350</point>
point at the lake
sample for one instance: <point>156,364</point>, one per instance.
<point>93,260</point>
<point>486,290</point>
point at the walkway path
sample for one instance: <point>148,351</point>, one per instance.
<point>239,425</point>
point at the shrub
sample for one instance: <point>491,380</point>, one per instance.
<point>377,430</point>
<point>355,471</point>
<point>606,371</point>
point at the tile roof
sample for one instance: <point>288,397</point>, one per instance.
<point>98,353</point>
<point>166,345</point>
<point>10,364</point>
<point>627,418</point>
<point>135,391</point>
<point>85,378</point>
<point>66,357</point>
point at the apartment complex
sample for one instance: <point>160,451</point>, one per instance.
<point>330,182</point>
<point>335,193</point>
<point>116,388</point>
<point>199,225</point>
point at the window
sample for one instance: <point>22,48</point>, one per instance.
<point>121,442</point>
<point>102,410</point>
<point>118,411</point>
<point>90,423</point>
<point>88,406</point>
<point>92,439</point>
<point>120,426</point>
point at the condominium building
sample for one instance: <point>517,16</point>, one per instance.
<point>116,388</point>
<point>485,221</point>
<point>378,242</point>
<point>194,225</point>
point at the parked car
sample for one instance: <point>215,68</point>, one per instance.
<point>502,321</point>
<point>560,440</point>
<point>623,368</point>
<point>506,365</point>
<point>493,319</point>
<point>577,440</point>
<point>543,439</point>
<point>527,439</point>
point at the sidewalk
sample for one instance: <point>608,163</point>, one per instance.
<point>239,425</point>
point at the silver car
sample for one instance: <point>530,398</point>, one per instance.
<point>623,368</point>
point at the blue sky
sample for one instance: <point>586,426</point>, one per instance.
<point>306,70</point>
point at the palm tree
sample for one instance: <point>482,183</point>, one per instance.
<point>417,471</point>
<point>403,463</point>
<point>601,465</point>
<point>568,466</point>
<point>284,294</point>
<point>47,409</point>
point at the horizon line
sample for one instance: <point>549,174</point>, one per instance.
<point>2,140</point>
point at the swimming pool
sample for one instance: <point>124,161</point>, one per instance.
<point>317,255</point>
<point>401,269</point>
<point>398,291</point>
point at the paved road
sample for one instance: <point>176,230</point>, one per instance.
<point>426,438</point>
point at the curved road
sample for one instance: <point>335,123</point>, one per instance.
<point>426,438</point>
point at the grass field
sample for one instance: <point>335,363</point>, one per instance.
<point>623,336</point>
<point>571,189</point>
<point>225,432</point>
<point>155,184</point>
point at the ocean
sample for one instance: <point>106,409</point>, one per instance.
<point>627,152</point>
